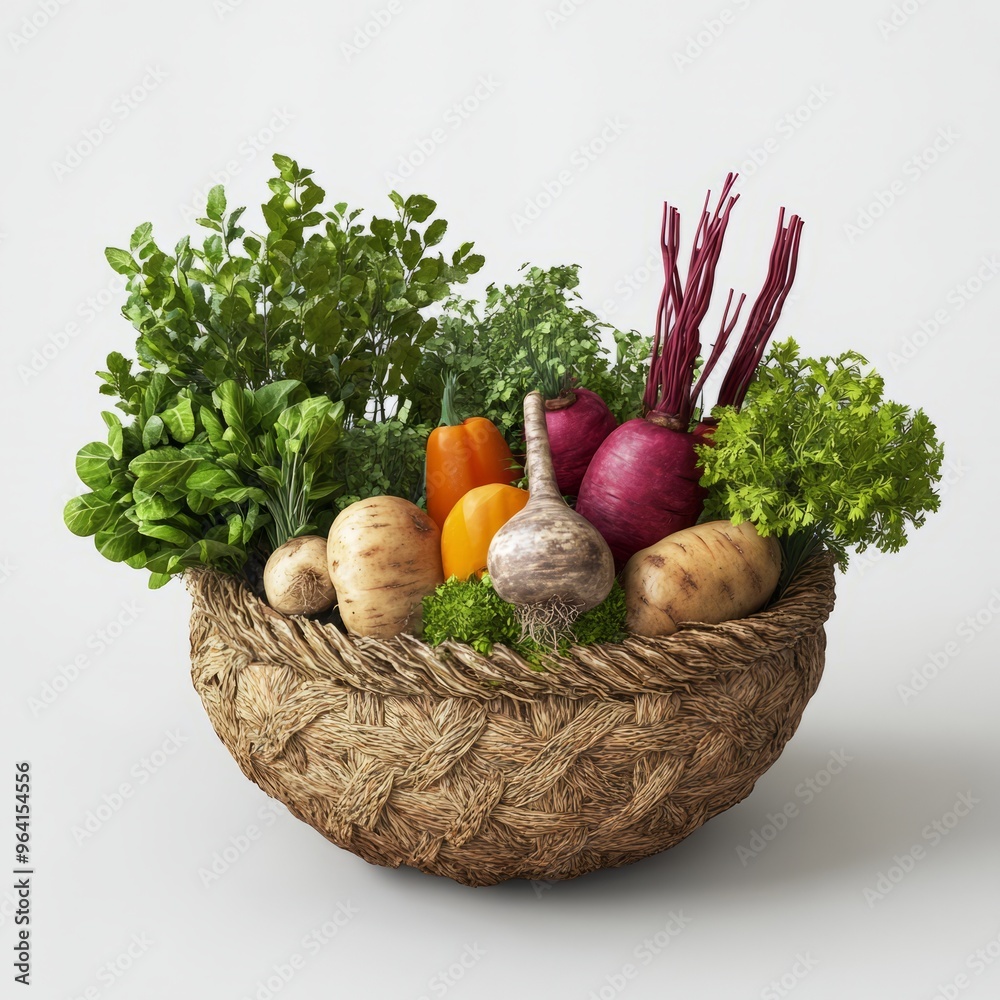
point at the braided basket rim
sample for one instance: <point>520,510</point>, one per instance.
<point>407,666</point>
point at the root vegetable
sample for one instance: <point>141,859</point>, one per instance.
<point>578,421</point>
<point>296,578</point>
<point>713,572</point>
<point>384,557</point>
<point>548,560</point>
<point>642,483</point>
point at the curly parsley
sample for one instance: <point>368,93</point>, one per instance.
<point>818,457</point>
<point>470,611</point>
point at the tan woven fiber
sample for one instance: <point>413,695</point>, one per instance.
<point>483,769</point>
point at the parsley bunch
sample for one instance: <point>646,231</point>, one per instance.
<point>818,457</point>
<point>472,612</point>
<point>534,334</point>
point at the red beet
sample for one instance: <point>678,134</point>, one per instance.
<point>704,433</point>
<point>578,421</point>
<point>642,484</point>
<point>640,460</point>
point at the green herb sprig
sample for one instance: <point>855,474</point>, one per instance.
<point>255,354</point>
<point>533,334</point>
<point>472,612</point>
<point>817,456</point>
<point>317,297</point>
<point>195,479</point>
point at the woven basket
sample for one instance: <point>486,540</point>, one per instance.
<point>483,769</point>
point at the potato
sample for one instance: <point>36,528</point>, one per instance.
<point>296,580</point>
<point>713,572</point>
<point>384,557</point>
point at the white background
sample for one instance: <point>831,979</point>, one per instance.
<point>215,89</point>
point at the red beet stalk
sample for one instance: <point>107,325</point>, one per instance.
<point>760,324</point>
<point>642,483</point>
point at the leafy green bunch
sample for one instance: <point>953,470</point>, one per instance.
<point>532,335</point>
<point>256,353</point>
<point>318,297</point>
<point>817,456</point>
<point>192,478</point>
<point>472,612</point>
<point>383,457</point>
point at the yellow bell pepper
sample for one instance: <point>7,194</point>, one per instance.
<point>471,525</point>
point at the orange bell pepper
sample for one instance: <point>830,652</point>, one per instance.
<point>462,455</point>
<point>471,525</point>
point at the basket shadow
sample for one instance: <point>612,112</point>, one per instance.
<point>880,805</point>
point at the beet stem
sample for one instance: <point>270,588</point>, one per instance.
<point>765,312</point>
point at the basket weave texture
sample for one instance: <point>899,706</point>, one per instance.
<point>484,769</point>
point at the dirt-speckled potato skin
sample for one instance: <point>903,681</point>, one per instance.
<point>384,557</point>
<point>713,572</point>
